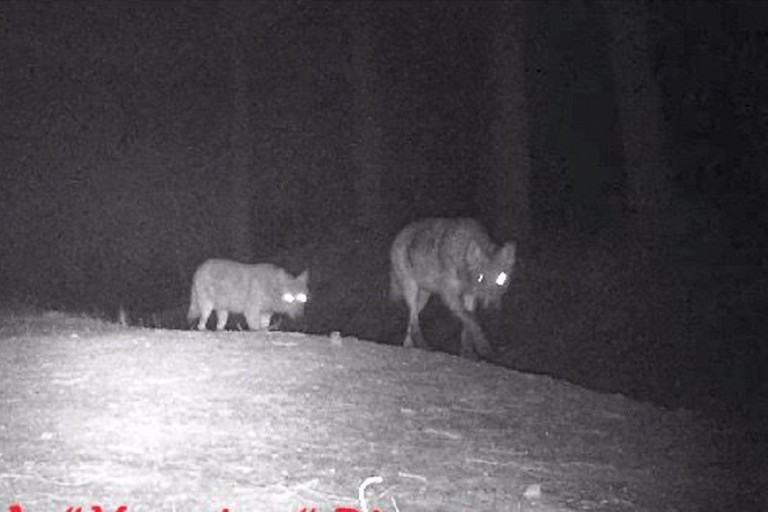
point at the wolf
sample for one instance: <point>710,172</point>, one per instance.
<point>257,291</point>
<point>455,259</point>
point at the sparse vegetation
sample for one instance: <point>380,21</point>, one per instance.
<point>169,420</point>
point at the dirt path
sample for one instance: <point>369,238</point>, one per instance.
<point>169,420</point>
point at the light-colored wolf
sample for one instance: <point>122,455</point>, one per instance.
<point>257,291</point>
<point>455,259</point>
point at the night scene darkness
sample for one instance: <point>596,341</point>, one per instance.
<point>619,147</point>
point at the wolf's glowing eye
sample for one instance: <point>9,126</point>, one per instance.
<point>288,297</point>
<point>301,297</point>
<point>501,278</point>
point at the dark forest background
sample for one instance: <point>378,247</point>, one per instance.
<point>622,144</point>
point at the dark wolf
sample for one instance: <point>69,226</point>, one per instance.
<point>256,291</point>
<point>456,260</point>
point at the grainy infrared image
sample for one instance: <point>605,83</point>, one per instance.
<point>397,256</point>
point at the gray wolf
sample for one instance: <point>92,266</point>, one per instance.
<point>257,291</point>
<point>456,260</point>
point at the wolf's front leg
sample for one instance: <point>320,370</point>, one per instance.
<point>221,319</point>
<point>473,340</point>
<point>257,320</point>
<point>474,344</point>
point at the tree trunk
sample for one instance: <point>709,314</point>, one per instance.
<point>367,137</point>
<point>241,137</point>
<point>509,128</point>
<point>640,113</point>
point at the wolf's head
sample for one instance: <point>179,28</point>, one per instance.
<point>294,294</point>
<point>492,273</point>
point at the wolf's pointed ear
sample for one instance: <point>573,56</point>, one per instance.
<point>304,276</point>
<point>475,254</point>
<point>507,254</point>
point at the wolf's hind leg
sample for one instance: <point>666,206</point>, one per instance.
<point>416,300</point>
<point>206,308</point>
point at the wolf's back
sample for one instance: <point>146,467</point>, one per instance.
<point>440,244</point>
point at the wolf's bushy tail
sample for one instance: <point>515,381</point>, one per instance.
<point>194,308</point>
<point>395,289</point>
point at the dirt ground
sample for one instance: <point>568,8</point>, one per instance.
<point>97,414</point>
